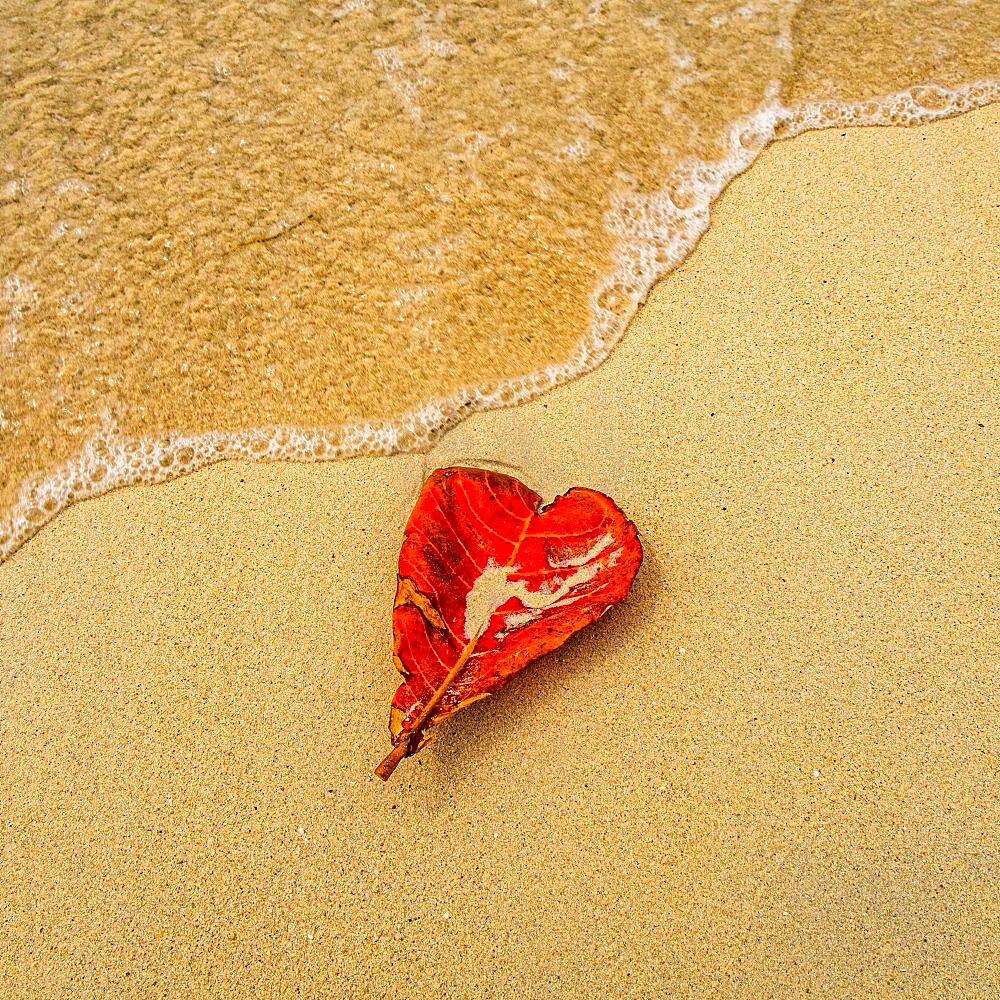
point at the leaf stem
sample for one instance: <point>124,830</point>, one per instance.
<point>402,748</point>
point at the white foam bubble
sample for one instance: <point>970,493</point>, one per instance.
<point>654,232</point>
<point>350,7</point>
<point>72,185</point>
<point>18,295</point>
<point>401,81</point>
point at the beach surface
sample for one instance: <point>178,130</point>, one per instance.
<point>771,772</point>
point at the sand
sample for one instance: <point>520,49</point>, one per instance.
<point>772,772</point>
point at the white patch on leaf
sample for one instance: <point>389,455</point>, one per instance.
<point>584,557</point>
<point>494,588</point>
<point>518,619</point>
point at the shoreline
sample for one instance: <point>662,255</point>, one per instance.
<point>109,460</point>
<point>771,769</point>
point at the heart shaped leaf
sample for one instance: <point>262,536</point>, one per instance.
<point>490,579</point>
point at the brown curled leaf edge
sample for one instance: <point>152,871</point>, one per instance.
<point>490,579</point>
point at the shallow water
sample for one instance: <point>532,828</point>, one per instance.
<point>315,231</point>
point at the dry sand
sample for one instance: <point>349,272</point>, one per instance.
<point>772,772</point>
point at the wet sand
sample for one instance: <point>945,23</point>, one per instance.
<point>773,770</point>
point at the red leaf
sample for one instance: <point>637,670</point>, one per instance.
<point>489,580</point>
